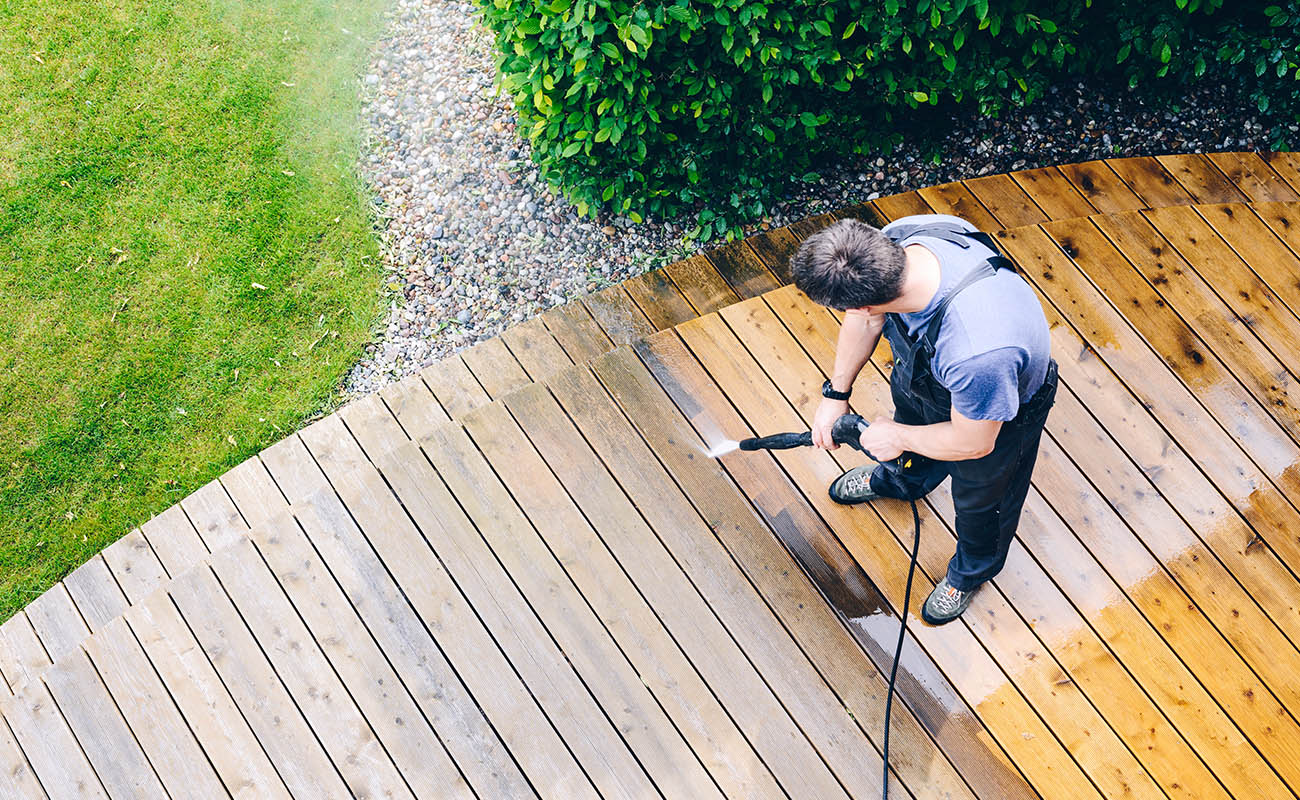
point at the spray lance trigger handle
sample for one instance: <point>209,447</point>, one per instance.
<point>848,430</point>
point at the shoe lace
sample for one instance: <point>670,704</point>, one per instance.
<point>949,599</point>
<point>857,483</point>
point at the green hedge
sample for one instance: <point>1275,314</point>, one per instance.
<point>714,106</point>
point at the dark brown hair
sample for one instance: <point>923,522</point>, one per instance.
<point>848,264</point>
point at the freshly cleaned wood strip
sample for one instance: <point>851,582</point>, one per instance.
<point>741,268</point>
<point>658,299</point>
<point>673,598</point>
<point>495,368</point>
<point>1101,187</point>
<point>1202,180</point>
<point>1286,165</point>
<point>174,540</point>
<point>52,751</point>
<point>97,595</point>
<point>98,725</point>
<point>329,708</point>
<point>958,200</point>
<point>135,566</point>
<point>57,622</point>
<point>1052,192</point>
<point>618,314</point>
<point>1005,200</point>
<point>1150,181</point>
<point>701,283</point>
<point>413,404</point>
<point>454,386</point>
<point>153,718</point>
<point>221,729</point>
<point>214,516</point>
<point>580,335</point>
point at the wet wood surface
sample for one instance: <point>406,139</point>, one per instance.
<point>517,574</point>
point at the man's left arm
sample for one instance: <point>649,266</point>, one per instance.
<point>985,392</point>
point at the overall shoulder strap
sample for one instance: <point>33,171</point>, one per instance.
<point>952,233</point>
<point>984,269</point>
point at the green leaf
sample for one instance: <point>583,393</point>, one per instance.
<point>959,39</point>
<point>680,13</point>
<point>936,18</point>
<point>560,6</point>
<point>767,92</point>
<point>1166,53</point>
<point>602,135</point>
<point>1123,53</point>
<point>1048,26</point>
<point>848,31</point>
<point>907,44</point>
<point>921,97</point>
<point>571,149</point>
<point>635,217</point>
<point>822,26</point>
<point>530,25</point>
<point>808,119</point>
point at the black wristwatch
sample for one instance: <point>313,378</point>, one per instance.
<point>829,391</point>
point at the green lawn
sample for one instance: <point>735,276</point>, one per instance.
<point>187,268</point>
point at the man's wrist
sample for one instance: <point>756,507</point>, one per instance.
<point>829,391</point>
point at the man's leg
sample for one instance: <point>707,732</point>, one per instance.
<point>988,495</point>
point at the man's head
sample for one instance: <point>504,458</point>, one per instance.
<point>849,264</point>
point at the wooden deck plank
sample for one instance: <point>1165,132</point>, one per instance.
<point>1150,181</point>
<point>524,729</point>
<point>647,645</point>
<point>776,247</point>
<point>1104,190</point>
<point>1145,375</point>
<point>221,729</point>
<point>694,543</point>
<point>1005,200</point>
<point>577,332</point>
<point>866,212</point>
<point>890,208</point>
<point>330,709</point>
<point>535,348</point>
<point>395,623</point>
<point>454,386</point>
<point>701,284</point>
<point>174,540</point>
<point>779,579</point>
<point>1031,667</point>
<point>22,657</point>
<point>51,749</point>
<point>84,702</point>
<point>495,368</point>
<point>1030,590</point>
<point>618,314</point>
<point>1044,761</point>
<point>741,268</point>
<point>280,727</point>
<point>1286,165</point>
<point>676,600</point>
<point>16,777</point>
<point>134,565</point>
<point>1283,219</point>
<point>154,719</point>
<point>406,735</point>
<point>596,739</point>
<point>956,199</point>
<point>413,404</point>
<point>1253,177</point>
<point>659,300</point>
<point>214,516</point>
<point>921,686</point>
<point>1264,252</point>
<point>1272,586</point>
<point>1202,180</point>
<point>1052,192</point>
<point>97,595</point>
<point>57,622</point>
<point>649,731</point>
<point>253,492</point>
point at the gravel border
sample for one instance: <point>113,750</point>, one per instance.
<point>473,242</point>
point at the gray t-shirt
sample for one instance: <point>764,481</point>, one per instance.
<point>993,347</point>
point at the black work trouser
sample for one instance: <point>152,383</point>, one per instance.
<point>987,493</point>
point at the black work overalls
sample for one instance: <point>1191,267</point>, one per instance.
<point>989,492</point>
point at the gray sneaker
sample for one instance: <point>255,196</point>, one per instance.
<point>853,486</point>
<point>945,603</point>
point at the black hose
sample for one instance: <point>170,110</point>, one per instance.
<point>902,632</point>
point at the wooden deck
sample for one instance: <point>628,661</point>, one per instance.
<point>518,575</point>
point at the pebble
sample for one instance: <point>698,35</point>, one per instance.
<point>471,235</point>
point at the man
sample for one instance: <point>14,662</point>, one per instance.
<point>972,383</point>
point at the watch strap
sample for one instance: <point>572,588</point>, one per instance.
<point>829,391</point>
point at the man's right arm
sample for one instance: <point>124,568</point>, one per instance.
<point>857,341</point>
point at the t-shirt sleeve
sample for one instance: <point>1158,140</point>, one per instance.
<point>986,385</point>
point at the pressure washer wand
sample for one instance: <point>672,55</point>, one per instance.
<point>848,430</point>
